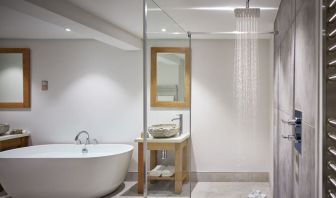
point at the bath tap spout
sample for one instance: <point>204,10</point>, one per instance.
<point>84,149</point>
<point>78,141</point>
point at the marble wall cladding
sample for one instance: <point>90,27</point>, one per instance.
<point>306,63</point>
<point>306,186</point>
<point>275,149</point>
<point>298,4</point>
<point>297,46</point>
<point>276,78</point>
<point>285,158</point>
<point>286,73</point>
<point>286,14</point>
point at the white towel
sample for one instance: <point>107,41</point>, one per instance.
<point>157,171</point>
<point>256,194</point>
<point>168,171</point>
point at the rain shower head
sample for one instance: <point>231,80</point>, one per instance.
<point>247,12</point>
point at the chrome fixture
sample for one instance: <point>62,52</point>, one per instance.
<point>247,12</point>
<point>180,119</point>
<point>332,18</point>
<point>332,3</point>
<point>289,137</point>
<point>332,33</point>
<point>332,165</point>
<point>332,194</point>
<point>332,47</point>
<point>297,136</point>
<point>95,141</point>
<point>332,150</point>
<point>332,77</point>
<point>293,122</point>
<point>332,62</point>
<point>332,136</point>
<point>328,44</point>
<point>332,180</point>
<point>84,149</point>
<point>77,138</point>
<point>164,154</point>
<point>332,122</point>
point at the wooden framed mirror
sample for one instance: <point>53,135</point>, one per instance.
<point>14,78</point>
<point>170,77</point>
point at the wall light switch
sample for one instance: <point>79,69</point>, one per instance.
<point>44,85</point>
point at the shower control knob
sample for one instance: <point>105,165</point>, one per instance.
<point>289,137</point>
<point>293,122</point>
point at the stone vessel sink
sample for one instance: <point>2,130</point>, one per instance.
<point>4,128</point>
<point>163,130</point>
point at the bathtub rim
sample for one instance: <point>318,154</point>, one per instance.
<point>15,153</point>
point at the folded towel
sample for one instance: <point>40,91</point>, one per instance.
<point>256,194</point>
<point>157,171</point>
<point>168,171</point>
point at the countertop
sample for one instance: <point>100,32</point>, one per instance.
<point>175,139</point>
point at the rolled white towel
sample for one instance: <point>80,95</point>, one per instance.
<point>157,171</point>
<point>168,171</point>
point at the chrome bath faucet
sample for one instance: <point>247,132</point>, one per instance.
<point>78,141</point>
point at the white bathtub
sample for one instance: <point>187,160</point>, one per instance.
<point>63,171</point>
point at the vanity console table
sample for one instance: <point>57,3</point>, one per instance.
<point>8,142</point>
<point>177,144</point>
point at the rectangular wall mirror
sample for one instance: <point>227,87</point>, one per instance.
<point>14,78</point>
<point>170,77</point>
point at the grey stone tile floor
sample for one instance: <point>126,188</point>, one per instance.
<point>198,190</point>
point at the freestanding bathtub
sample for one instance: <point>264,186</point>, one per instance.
<point>63,171</point>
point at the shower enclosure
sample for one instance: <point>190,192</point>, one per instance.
<point>161,32</point>
<point>296,110</point>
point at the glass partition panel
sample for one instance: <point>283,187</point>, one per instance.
<point>168,106</point>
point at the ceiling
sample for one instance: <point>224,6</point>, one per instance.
<point>17,25</point>
<point>216,15</point>
<point>126,14</point>
<point>113,19</point>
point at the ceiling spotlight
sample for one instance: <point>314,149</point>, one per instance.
<point>163,30</point>
<point>68,29</point>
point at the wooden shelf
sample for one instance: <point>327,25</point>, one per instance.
<point>180,150</point>
<point>167,178</point>
<point>161,178</point>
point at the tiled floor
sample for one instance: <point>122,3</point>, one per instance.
<point>199,190</point>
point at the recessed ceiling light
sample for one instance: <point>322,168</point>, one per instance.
<point>163,30</point>
<point>68,29</point>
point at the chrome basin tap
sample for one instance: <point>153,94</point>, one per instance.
<point>180,119</point>
<point>78,141</point>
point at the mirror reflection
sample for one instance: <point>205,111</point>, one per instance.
<point>170,77</point>
<point>170,70</point>
<point>11,77</point>
<point>14,78</point>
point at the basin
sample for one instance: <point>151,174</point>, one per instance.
<point>163,130</point>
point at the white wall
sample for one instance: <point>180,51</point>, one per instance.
<point>92,87</point>
<point>96,87</point>
<point>219,142</point>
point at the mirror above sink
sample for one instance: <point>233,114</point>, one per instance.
<point>170,77</point>
<point>14,78</point>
